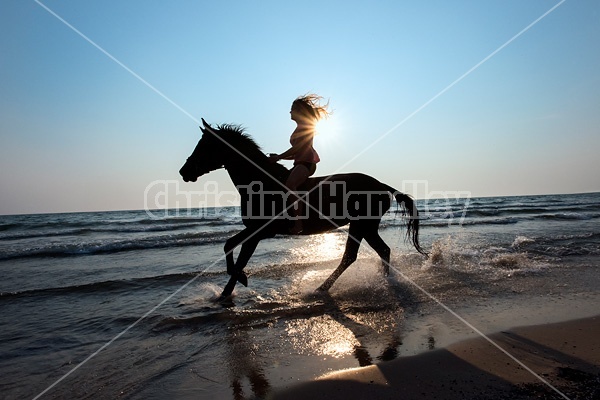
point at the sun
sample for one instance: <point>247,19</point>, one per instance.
<point>327,130</point>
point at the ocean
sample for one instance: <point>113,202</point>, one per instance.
<point>120,304</point>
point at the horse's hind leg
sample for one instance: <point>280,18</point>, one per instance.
<point>382,249</point>
<point>352,245</point>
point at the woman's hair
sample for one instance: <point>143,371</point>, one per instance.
<point>310,106</point>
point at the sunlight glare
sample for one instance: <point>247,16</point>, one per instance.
<point>327,130</point>
<point>325,247</point>
<point>321,335</point>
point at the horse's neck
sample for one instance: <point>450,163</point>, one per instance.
<point>238,176</point>
<point>245,173</point>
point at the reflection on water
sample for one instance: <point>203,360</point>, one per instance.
<point>340,329</point>
<point>250,349</point>
<point>324,247</point>
<point>321,335</point>
<point>245,370</point>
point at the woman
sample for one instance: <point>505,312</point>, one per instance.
<point>306,111</point>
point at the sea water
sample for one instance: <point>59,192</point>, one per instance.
<point>120,304</point>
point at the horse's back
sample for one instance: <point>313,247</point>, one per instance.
<point>353,181</point>
<point>342,198</point>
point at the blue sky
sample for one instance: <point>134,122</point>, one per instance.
<point>78,132</point>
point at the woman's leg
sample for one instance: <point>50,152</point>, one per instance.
<point>298,176</point>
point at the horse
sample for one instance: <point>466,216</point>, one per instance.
<point>330,202</point>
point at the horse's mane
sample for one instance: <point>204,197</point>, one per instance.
<point>238,138</point>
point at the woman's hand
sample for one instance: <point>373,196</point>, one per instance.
<point>274,157</point>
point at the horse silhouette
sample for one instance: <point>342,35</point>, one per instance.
<point>330,202</point>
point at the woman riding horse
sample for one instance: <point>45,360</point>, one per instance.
<point>306,112</point>
<point>332,202</point>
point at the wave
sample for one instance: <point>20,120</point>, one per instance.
<point>433,219</point>
<point>19,232</point>
<point>577,244</point>
<point>499,261</point>
<point>438,223</point>
<point>493,212</point>
<point>111,285</point>
<point>536,210</point>
<point>520,241</point>
<point>497,218</point>
<point>526,254</point>
<point>184,220</point>
<point>577,236</point>
<point>107,247</point>
<point>31,235</point>
<point>8,226</point>
<point>569,216</point>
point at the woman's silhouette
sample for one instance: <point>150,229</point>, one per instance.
<point>306,111</point>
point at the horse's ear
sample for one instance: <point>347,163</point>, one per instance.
<point>207,127</point>
<point>202,129</point>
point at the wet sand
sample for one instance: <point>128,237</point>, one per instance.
<point>566,355</point>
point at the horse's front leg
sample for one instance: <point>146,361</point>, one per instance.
<point>231,244</point>
<point>238,274</point>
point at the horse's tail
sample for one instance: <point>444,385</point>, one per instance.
<point>409,211</point>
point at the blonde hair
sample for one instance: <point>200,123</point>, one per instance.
<point>310,105</point>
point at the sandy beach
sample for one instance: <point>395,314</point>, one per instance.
<point>566,355</point>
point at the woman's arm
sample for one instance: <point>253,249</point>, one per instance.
<point>286,155</point>
<point>298,145</point>
<point>290,153</point>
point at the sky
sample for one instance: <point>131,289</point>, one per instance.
<point>433,97</point>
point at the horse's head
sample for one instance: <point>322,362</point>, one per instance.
<point>206,157</point>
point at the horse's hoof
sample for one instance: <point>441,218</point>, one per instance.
<point>322,289</point>
<point>243,279</point>
<point>221,298</point>
<point>225,301</point>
